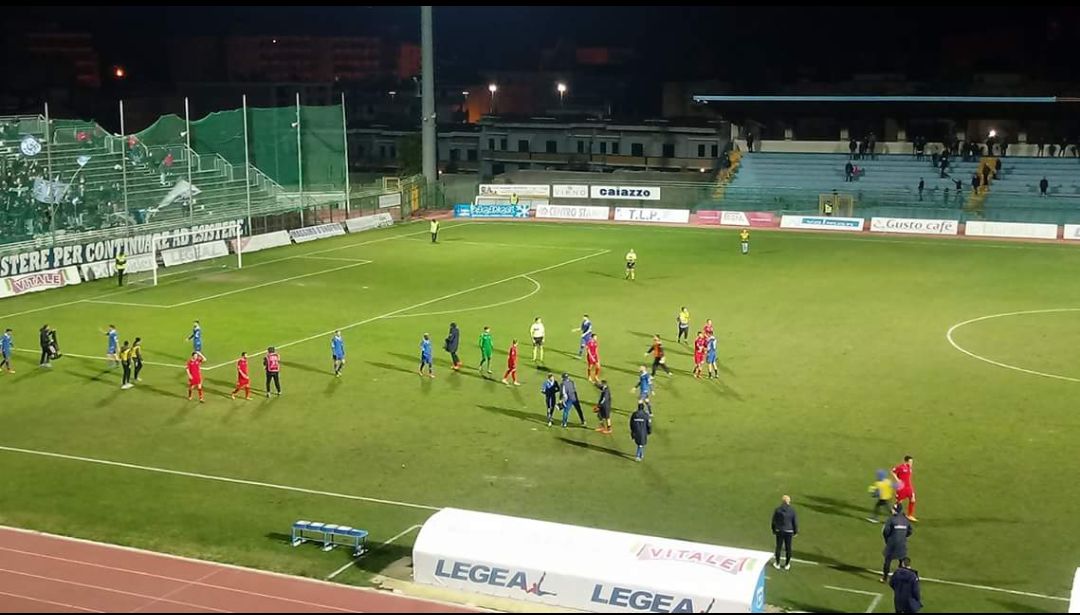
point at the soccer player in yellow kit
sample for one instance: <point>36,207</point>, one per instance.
<point>744,240</point>
<point>631,260</point>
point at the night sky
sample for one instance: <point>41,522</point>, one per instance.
<point>750,47</point>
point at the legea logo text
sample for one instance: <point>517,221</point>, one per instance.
<point>491,575</point>
<point>644,600</point>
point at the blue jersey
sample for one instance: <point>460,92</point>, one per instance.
<point>550,389</point>
<point>196,338</point>
<point>114,335</point>
<point>337,346</point>
<point>425,350</point>
<point>645,383</point>
<point>5,344</point>
<point>586,330</point>
<point>711,351</point>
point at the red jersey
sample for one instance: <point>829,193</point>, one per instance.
<point>511,358</point>
<point>272,361</point>
<point>194,369</point>
<point>242,371</point>
<point>592,351</point>
<point>699,347</point>
<point>708,330</point>
<point>903,473</point>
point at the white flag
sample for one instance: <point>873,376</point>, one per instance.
<point>82,160</point>
<point>51,192</point>
<point>178,191</point>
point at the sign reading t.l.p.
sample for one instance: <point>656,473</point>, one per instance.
<point>652,214</point>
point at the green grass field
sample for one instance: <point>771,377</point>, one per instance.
<point>835,363</point>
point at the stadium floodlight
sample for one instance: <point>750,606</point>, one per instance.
<point>493,88</point>
<point>561,87</point>
<point>491,105</point>
<point>993,133</point>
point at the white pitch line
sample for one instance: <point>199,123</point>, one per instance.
<point>270,283</point>
<point>381,545</point>
<point>421,304</point>
<point>487,244</point>
<point>479,307</point>
<point>258,264</point>
<point>952,329</point>
<point>127,304</point>
<point>239,481</point>
<point>336,258</point>
<point>93,358</point>
<point>873,603</point>
<point>222,479</point>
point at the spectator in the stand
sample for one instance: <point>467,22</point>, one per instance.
<point>1044,184</point>
<point>986,177</point>
<point>849,170</point>
<point>749,141</point>
<point>934,159</point>
<point>922,185</point>
<point>975,183</point>
<point>1050,151</point>
<point>871,146</point>
<point>946,199</point>
<point>862,148</point>
<point>1004,148</point>
<point>856,172</point>
<point>1039,150</point>
<point>852,146</point>
<point>1064,146</point>
<point>997,167</point>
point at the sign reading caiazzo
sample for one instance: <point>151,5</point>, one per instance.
<point>585,568</point>
<point>625,193</point>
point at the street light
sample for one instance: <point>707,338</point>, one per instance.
<point>492,88</point>
<point>561,87</point>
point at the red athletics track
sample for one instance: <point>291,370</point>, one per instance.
<point>44,573</point>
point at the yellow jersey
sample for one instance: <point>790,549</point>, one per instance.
<point>883,489</point>
<point>684,317</point>
<point>434,226</point>
<point>125,354</point>
<point>744,235</point>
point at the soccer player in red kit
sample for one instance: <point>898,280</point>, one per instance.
<point>905,489</point>
<point>592,360</point>
<point>708,329</point>
<point>700,342</point>
<point>194,375</point>
<point>511,364</point>
<point>243,380</point>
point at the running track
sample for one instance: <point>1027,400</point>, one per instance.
<point>44,573</point>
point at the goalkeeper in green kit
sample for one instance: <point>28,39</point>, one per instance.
<point>487,346</point>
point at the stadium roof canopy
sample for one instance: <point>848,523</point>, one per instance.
<point>885,99</point>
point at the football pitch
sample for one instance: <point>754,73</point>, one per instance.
<point>838,354</point>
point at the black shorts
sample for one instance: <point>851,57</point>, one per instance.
<point>605,414</point>
<point>538,341</point>
<point>630,265</point>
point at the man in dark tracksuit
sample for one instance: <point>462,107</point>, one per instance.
<point>603,408</point>
<point>44,341</point>
<point>550,389</point>
<point>451,344</point>
<point>905,584</point>
<point>785,525</point>
<point>570,398</point>
<point>640,428</point>
<point>896,532</point>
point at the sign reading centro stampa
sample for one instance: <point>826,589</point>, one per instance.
<point>572,212</point>
<point>825,223</point>
<point>625,193</point>
<point>585,568</point>
<point>107,249</point>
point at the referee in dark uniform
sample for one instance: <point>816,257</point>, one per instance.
<point>785,526</point>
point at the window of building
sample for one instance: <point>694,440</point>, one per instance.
<point>581,147</point>
<point>615,148</point>
<point>669,150</point>
<point>552,147</point>
<point>523,145</point>
<point>382,151</point>
<point>603,147</point>
<point>491,144</point>
<point>455,155</point>
<point>393,151</point>
<point>715,150</point>
<point>701,150</point>
<point>471,155</point>
<point>502,145</point>
<point>637,149</point>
